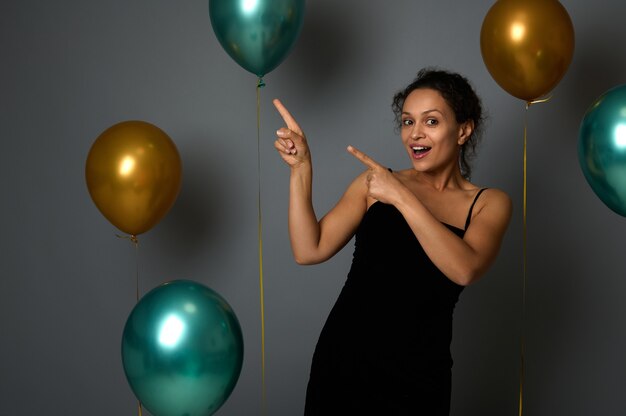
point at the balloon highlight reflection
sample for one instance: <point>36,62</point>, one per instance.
<point>182,350</point>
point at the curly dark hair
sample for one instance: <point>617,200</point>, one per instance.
<point>461,98</point>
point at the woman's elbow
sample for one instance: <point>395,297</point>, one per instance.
<point>468,276</point>
<point>303,261</point>
<point>306,259</point>
<point>466,280</point>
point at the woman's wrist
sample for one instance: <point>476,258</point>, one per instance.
<point>304,166</point>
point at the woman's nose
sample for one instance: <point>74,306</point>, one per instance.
<point>415,132</point>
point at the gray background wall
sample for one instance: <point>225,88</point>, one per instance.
<point>70,69</point>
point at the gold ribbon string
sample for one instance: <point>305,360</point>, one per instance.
<point>524,259</point>
<point>133,239</point>
<point>525,252</point>
<point>260,85</point>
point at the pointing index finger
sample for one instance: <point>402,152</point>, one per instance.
<point>365,159</point>
<point>291,122</point>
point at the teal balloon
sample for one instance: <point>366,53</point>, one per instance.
<point>602,148</point>
<point>257,34</point>
<point>182,350</point>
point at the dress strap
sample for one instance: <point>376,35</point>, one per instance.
<point>469,214</point>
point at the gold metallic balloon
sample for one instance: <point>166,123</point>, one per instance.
<point>527,45</point>
<point>133,174</point>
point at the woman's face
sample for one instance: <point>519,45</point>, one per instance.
<point>430,132</point>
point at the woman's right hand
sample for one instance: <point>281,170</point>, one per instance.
<point>290,140</point>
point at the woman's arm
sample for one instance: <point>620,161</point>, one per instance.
<point>314,241</point>
<point>462,260</point>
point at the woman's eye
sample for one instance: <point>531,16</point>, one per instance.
<point>407,122</point>
<point>431,122</point>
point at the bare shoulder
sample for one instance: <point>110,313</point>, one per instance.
<point>356,193</point>
<point>358,190</point>
<point>497,196</point>
<point>359,183</point>
<point>492,193</point>
<point>495,202</point>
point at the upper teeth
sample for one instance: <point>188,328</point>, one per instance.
<point>420,147</point>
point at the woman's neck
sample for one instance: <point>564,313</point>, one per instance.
<point>443,180</point>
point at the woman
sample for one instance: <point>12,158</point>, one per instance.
<point>422,234</point>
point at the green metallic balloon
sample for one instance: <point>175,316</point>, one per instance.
<point>257,34</point>
<point>182,350</point>
<point>602,148</point>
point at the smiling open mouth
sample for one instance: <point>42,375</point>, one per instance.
<point>419,150</point>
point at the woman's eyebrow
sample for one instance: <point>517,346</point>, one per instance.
<point>424,112</point>
<point>432,110</point>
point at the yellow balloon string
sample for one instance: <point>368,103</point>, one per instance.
<point>525,252</point>
<point>260,85</point>
<point>135,241</point>
<point>524,257</point>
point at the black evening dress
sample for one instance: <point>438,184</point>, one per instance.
<point>385,347</point>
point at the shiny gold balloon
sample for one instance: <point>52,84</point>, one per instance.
<point>527,45</point>
<point>133,174</point>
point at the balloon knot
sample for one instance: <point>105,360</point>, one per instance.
<point>538,101</point>
<point>132,238</point>
<point>261,83</point>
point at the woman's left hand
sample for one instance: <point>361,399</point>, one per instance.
<point>382,185</point>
